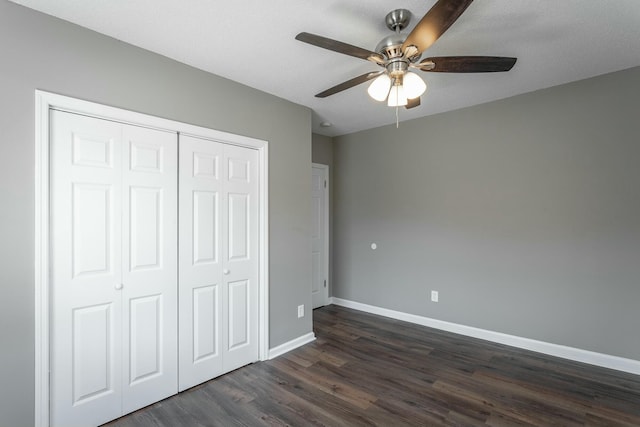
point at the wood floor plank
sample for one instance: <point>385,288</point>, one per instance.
<point>367,370</point>
<point>330,384</point>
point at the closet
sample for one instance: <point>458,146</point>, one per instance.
<point>153,265</point>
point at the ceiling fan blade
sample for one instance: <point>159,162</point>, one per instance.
<point>434,23</point>
<point>349,84</point>
<point>340,47</point>
<point>412,103</point>
<point>467,64</point>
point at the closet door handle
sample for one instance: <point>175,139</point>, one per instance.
<point>226,271</point>
<point>118,286</point>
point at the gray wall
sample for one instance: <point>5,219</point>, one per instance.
<point>322,150</point>
<point>523,213</point>
<point>322,153</point>
<point>40,52</point>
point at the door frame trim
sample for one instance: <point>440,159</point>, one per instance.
<point>46,101</point>
<point>327,234</point>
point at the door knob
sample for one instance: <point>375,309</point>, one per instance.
<point>225,271</point>
<point>118,286</point>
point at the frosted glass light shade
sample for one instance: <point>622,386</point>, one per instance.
<point>397,97</point>
<point>379,88</point>
<point>414,86</point>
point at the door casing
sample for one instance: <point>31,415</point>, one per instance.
<point>47,101</point>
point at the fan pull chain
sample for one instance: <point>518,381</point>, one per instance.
<point>397,118</point>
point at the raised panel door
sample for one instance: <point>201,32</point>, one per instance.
<point>218,259</point>
<point>114,268</point>
<point>86,307</point>
<point>240,255</point>
<point>150,275</point>
<point>200,263</point>
<point>319,270</point>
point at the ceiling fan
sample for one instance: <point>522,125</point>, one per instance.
<point>398,55</point>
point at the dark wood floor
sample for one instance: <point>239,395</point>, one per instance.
<point>370,370</point>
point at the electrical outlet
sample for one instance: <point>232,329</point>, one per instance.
<point>300,311</point>
<point>434,296</point>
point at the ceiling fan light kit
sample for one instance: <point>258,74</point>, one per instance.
<point>379,88</point>
<point>397,55</point>
<point>414,86</point>
<point>397,97</point>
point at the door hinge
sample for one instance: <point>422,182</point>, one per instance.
<point>325,183</point>
<point>325,283</point>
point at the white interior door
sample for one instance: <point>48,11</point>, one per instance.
<point>200,260</point>
<point>86,306</point>
<point>150,270</point>
<point>113,268</point>
<point>240,255</point>
<point>218,259</point>
<point>319,235</point>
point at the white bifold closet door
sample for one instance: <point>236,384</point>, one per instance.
<point>113,268</point>
<point>218,262</point>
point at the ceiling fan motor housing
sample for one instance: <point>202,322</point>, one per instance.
<point>391,46</point>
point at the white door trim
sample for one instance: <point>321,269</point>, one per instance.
<point>44,102</point>
<point>325,267</point>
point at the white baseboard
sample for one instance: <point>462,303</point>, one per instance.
<point>571,353</point>
<point>291,345</point>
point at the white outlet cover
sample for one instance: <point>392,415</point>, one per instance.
<point>434,296</point>
<point>300,311</point>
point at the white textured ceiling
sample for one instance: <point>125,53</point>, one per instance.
<point>252,42</point>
